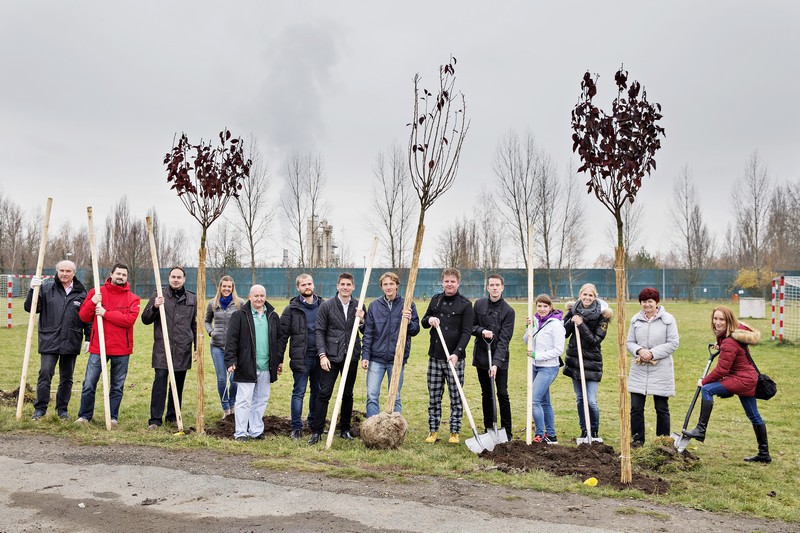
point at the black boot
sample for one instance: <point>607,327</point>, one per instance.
<point>699,432</point>
<point>763,446</point>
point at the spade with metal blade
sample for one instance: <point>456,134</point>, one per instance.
<point>681,440</point>
<point>498,435</point>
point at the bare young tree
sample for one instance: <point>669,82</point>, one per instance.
<point>223,251</point>
<point>317,208</point>
<point>783,227</point>
<point>694,245</point>
<point>572,238</point>
<point>251,204</point>
<point>459,245</point>
<point>394,205</point>
<point>12,231</point>
<point>170,244</point>
<point>518,164</point>
<point>750,200</point>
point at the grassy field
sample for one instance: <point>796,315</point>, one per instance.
<point>723,482</point>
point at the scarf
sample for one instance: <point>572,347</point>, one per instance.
<point>554,313</point>
<point>225,301</point>
<point>180,292</point>
<point>588,313</point>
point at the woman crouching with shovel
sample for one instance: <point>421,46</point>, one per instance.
<point>548,345</point>
<point>734,374</point>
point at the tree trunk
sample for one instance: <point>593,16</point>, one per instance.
<point>624,407</point>
<point>200,340</point>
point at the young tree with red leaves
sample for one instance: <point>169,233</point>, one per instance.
<point>617,150</point>
<point>205,178</point>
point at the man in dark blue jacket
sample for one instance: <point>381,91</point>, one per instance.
<point>381,329</point>
<point>298,325</point>
<point>61,332</point>
<point>251,353</point>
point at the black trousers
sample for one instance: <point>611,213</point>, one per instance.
<point>66,368</point>
<point>637,416</point>
<point>159,396</point>
<point>327,382</point>
<point>501,383</point>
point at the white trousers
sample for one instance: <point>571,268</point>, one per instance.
<point>251,402</point>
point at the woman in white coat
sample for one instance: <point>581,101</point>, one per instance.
<point>548,345</point>
<point>652,339</point>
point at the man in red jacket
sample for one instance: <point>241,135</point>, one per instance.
<point>119,308</point>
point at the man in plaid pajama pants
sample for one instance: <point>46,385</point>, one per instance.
<point>453,313</point>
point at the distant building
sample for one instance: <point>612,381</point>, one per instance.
<point>320,245</point>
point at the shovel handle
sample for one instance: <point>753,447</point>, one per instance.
<point>711,355</point>
<point>460,389</point>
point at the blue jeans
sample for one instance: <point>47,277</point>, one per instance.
<point>375,373</point>
<point>309,378</point>
<point>119,371</point>
<point>594,409</point>
<point>748,402</point>
<point>218,357</point>
<point>543,417</point>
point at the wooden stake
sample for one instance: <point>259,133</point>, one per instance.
<point>529,421</point>
<point>164,330</point>
<point>400,348</point>
<point>351,346</point>
<point>101,337</point>
<point>34,310</point>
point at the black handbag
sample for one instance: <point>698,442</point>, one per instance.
<point>766,387</point>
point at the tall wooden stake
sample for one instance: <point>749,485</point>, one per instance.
<point>622,362</point>
<point>101,337</point>
<point>529,421</point>
<point>351,345</point>
<point>164,330</point>
<point>34,310</point>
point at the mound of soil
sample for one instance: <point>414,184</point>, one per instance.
<point>273,426</point>
<point>11,397</point>
<point>597,460</point>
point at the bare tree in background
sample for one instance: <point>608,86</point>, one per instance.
<point>694,244</point>
<point>12,230</point>
<point>251,204</point>
<point>750,200</point>
<point>490,237</point>
<point>301,201</point>
<point>571,236</point>
<point>223,251</point>
<point>516,164</point>
<point>783,227</point>
<point>170,245</point>
<point>459,245</point>
<point>394,204</point>
<point>125,240</point>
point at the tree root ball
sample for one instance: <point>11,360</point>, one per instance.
<point>384,431</point>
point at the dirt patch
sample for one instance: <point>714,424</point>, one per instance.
<point>10,397</point>
<point>273,426</point>
<point>598,461</point>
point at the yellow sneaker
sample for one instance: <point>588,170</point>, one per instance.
<point>433,436</point>
<point>454,438</point>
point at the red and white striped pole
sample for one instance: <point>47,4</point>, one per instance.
<point>772,330</point>
<point>10,294</point>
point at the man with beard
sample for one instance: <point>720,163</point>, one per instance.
<point>119,308</point>
<point>298,328</point>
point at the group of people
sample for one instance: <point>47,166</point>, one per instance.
<point>249,340</point>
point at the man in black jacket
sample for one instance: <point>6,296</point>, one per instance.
<point>493,325</point>
<point>298,323</point>
<point>334,326</point>
<point>60,334</point>
<point>251,353</point>
<point>452,312</point>
<point>180,308</point>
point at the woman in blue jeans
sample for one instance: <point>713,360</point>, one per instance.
<point>548,345</point>
<point>734,374</point>
<point>218,313</point>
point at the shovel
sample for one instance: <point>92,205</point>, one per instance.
<point>498,435</point>
<point>681,440</point>
<point>478,443</point>
<point>587,423</point>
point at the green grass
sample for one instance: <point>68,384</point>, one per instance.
<point>720,482</point>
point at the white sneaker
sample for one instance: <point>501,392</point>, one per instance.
<point>82,421</point>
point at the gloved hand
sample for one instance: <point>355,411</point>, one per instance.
<point>36,281</point>
<point>85,346</point>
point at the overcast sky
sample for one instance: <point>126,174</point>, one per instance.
<point>93,92</point>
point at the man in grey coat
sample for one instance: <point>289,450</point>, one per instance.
<point>180,307</point>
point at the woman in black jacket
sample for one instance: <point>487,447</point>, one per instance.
<point>591,316</point>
